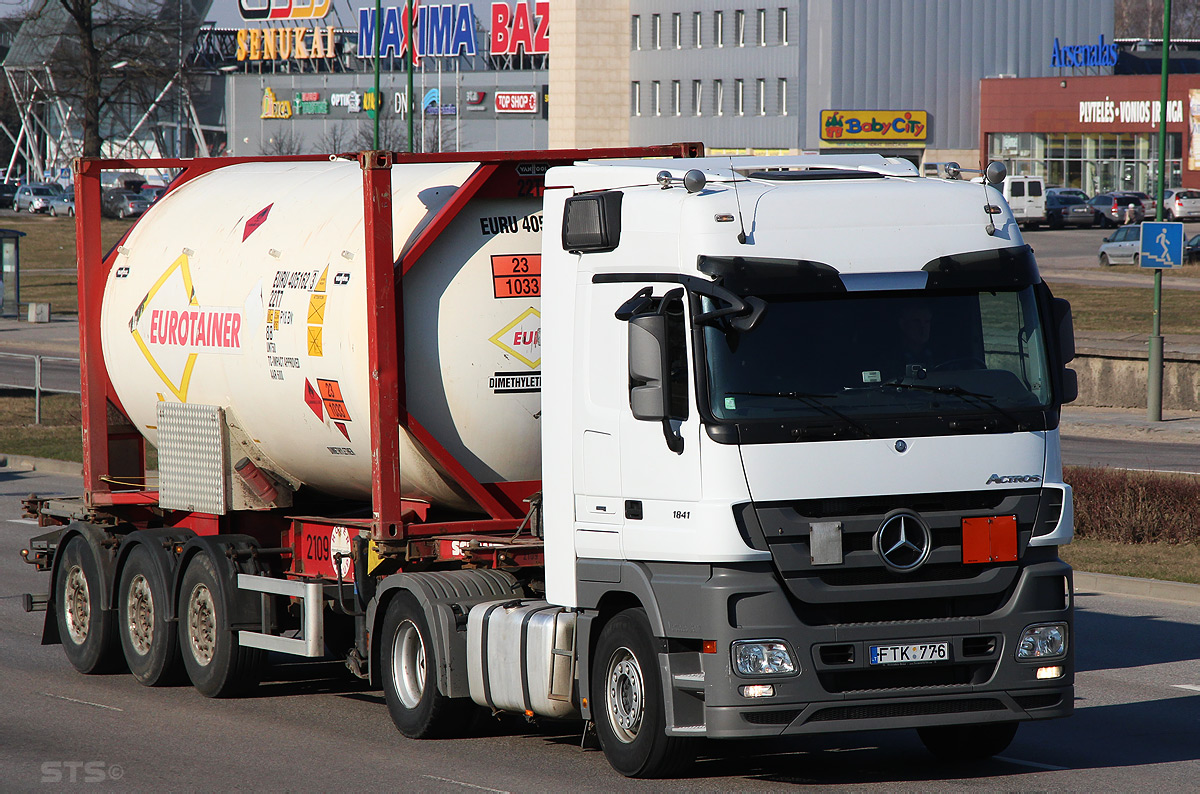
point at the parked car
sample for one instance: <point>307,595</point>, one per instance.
<point>62,205</point>
<point>1113,209</point>
<point>1122,246</point>
<point>33,198</point>
<point>1067,191</point>
<point>1150,205</point>
<point>119,202</point>
<point>1025,197</point>
<point>1191,250</point>
<point>152,192</point>
<point>1065,210</point>
<point>1181,205</point>
<point>8,193</point>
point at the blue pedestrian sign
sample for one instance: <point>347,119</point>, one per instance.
<point>1162,245</point>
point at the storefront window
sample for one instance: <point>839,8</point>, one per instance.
<point>1095,162</point>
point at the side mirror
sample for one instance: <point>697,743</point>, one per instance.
<point>648,366</point>
<point>1070,385</point>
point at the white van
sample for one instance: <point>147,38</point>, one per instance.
<point>1026,196</point>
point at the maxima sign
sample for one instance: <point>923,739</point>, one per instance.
<point>449,30</point>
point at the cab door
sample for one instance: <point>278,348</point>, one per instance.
<point>660,457</point>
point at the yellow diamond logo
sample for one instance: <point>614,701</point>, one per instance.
<point>522,338</point>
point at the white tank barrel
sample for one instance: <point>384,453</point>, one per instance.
<point>246,288</point>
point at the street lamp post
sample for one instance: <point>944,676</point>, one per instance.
<point>1154,361</point>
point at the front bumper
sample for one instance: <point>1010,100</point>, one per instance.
<point>838,690</point>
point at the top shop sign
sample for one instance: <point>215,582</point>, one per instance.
<point>449,29</point>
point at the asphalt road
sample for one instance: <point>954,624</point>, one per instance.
<point>314,727</point>
<point>1130,454</point>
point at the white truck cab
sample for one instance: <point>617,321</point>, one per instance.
<point>815,460</point>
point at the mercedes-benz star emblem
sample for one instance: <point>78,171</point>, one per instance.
<point>903,542</point>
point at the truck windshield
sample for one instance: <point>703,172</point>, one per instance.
<point>876,364</point>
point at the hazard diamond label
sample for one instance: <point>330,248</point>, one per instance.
<point>522,338</point>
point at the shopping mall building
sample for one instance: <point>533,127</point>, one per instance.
<point>1040,84</point>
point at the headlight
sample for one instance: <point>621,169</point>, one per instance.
<point>762,657</point>
<point>1043,642</point>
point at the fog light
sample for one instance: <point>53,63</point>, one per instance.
<point>762,657</point>
<point>757,691</point>
<point>1044,641</point>
<point>1044,673</point>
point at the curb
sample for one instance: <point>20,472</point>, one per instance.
<point>1109,584</point>
<point>47,465</point>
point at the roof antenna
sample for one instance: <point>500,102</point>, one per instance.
<point>993,175</point>
<point>741,238</point>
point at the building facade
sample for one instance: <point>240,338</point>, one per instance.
<point>895,76</point>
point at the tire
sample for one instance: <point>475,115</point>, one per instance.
<point>121,213</point>
<point>53,212</point>
<point>1137,260</point>
<point>1103,260</point>
<point>150,642</point>
<point>968,742</point>
<point>216,664</point>
<point>627,702</point>
<point>408,663</point>
<point>88,633</point>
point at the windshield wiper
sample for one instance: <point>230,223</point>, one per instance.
<point>811,399</point>
<point>986,400</point>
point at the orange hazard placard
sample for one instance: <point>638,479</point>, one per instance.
<point>517,276</point>
<point>331,395</point>
<point>991,539</point>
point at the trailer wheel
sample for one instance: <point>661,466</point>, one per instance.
<point>627,702</point>
<point>217,665</point>
<point>409,664</point>
<point>150,643</point>
<point>88,633</point>
<point>968,742</point>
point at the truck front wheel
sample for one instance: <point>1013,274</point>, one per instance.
<point>409,666</point>
<point>627,702</point>
<point>150,643</point>
<point>968,742</point>
<point>88,635</point>
<point>217,664</point>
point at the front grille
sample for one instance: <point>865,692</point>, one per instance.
<point>770,717</point>
<point>862,589</point>
<point>890,710</point>
<point>958,502</point>
<point>905,677</point>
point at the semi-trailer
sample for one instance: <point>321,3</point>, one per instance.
<point>788,462</point>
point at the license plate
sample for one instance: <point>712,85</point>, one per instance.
<point>910,654</point>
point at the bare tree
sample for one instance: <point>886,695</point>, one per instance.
<point>100,55</point>
<point>283,141</point>
<point>338,137</point>
<point>1143,19</point>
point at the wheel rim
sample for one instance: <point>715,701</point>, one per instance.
<point>625,695</point>
<point>139,606</point>
<point>77,605</point>
<point>202,624</point>
<point>408,664</point>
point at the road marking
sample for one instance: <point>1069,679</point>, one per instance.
<point>1189,687</point>
<point>22,521</point>
<point>465,785</point>
<point>1033,764</point>
<point>82,702</point>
